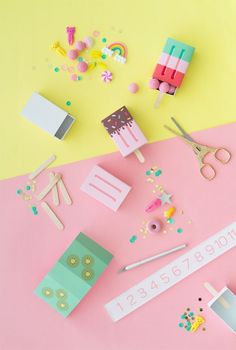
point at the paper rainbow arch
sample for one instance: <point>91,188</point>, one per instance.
<point>118,48</point>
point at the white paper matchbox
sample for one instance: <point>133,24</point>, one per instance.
<point>48,116</point>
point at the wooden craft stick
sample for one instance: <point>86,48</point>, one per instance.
<point>214,293</point>
<point>139,155</point>
<point>48,188</point>
<point>43,166</point>
<point>55,196</point>
<point>52,215</point>
<point>64,192</point>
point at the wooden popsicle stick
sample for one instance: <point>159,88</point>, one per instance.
<point>158,100</point>
<point>48,188</point>
<point>52,215</point>
<point>55,196</point>
<point>64,192</point>
<point>139,155</point>
<point>43,166</point>
<point>214,292</point>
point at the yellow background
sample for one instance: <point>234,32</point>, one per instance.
<point>28,28</point>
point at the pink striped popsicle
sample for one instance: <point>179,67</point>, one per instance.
<point>125,133</point>
<point>105,188</point>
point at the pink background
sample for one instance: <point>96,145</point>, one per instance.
<point>30,245</point>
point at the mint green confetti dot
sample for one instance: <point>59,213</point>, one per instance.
<point>148,172</point>
<point>27,187</point>
<point>19,191</point>
<point>56,69</point>
<point>179,230</point>
<point>133,239</point>
<point>158,172</point>
<point>104,40</point>
<point>68,103</point>
<point>79,77</point>
<point>171,221</point>
<point>188,329</point>
<point>191,314</point>
<point>104,57</point>
<point>80,59</point>
<point>181,325</point>
<point>182,316</point>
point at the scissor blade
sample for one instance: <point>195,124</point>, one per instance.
<point>187,136</point>
<point>173,131</point>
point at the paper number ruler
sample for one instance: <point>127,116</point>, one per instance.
<point>171,274</point>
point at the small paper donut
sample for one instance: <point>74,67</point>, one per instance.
<point>154,226</point>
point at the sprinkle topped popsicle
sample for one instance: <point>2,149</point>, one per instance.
<point>125,133</point>
<point>171,68</point>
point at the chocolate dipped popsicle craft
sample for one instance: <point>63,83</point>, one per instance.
<point>171,68</point>
<point>125,133</point>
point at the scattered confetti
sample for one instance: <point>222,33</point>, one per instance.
<point>27,188</point>
<point>104,57</point>
<point>56,69</point>
<point>96,33</point>
<point>148,172</point>
<point>104,40</point>
<point>68,103</point>
<point>189,222</point>
<point>133,239</point>
<point>158,172</point>
<point>165,198</point>
<point>79,77</point>
<point>170,221</point>
<point>80,59</point>
<point>19,191</point>
<point>179,230</point>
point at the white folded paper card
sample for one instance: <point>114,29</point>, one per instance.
<point>48,116</point>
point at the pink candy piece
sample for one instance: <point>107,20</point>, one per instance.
<point>89,41</point>
<point>133,88</point>
<point>73,77</point>
<point>82,66</point>
<point>154,226</point>
<point>154,84</point>
<point>106,76</point>
<point>172,89</point>
<point>72,54</point>
<point>156,203</point>
<point>80,45</point>
<point>164,87</point>
<point>70,34</point>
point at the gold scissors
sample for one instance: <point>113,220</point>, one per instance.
<point>206,170</point>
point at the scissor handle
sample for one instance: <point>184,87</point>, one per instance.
<point>207,171</point>
<point>223,160</point>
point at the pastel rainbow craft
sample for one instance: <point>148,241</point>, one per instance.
<point>119,49</point>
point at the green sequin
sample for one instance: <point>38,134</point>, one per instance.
<point>148,172</point>
<point>181,325</point>
<point>27,187</point>
<point>133,239</point>
<point>191,314</point>
<point>158,172</point>
<point>68,103</point>
<point>179,230</point>
<point>19,191</point>
<point>104,57</point>
<point>104,40</point>
<point>79,77</point>
<point>171,221</point>
<point>80,59</point>
<point>56,69</point>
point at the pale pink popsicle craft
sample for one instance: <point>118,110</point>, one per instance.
<point>105,188</point>
<point>125,133</point>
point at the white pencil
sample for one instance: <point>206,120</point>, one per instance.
<point>43,166</point>
<point>151,258</point>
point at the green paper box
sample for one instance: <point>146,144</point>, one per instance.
<point>74,274</point>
